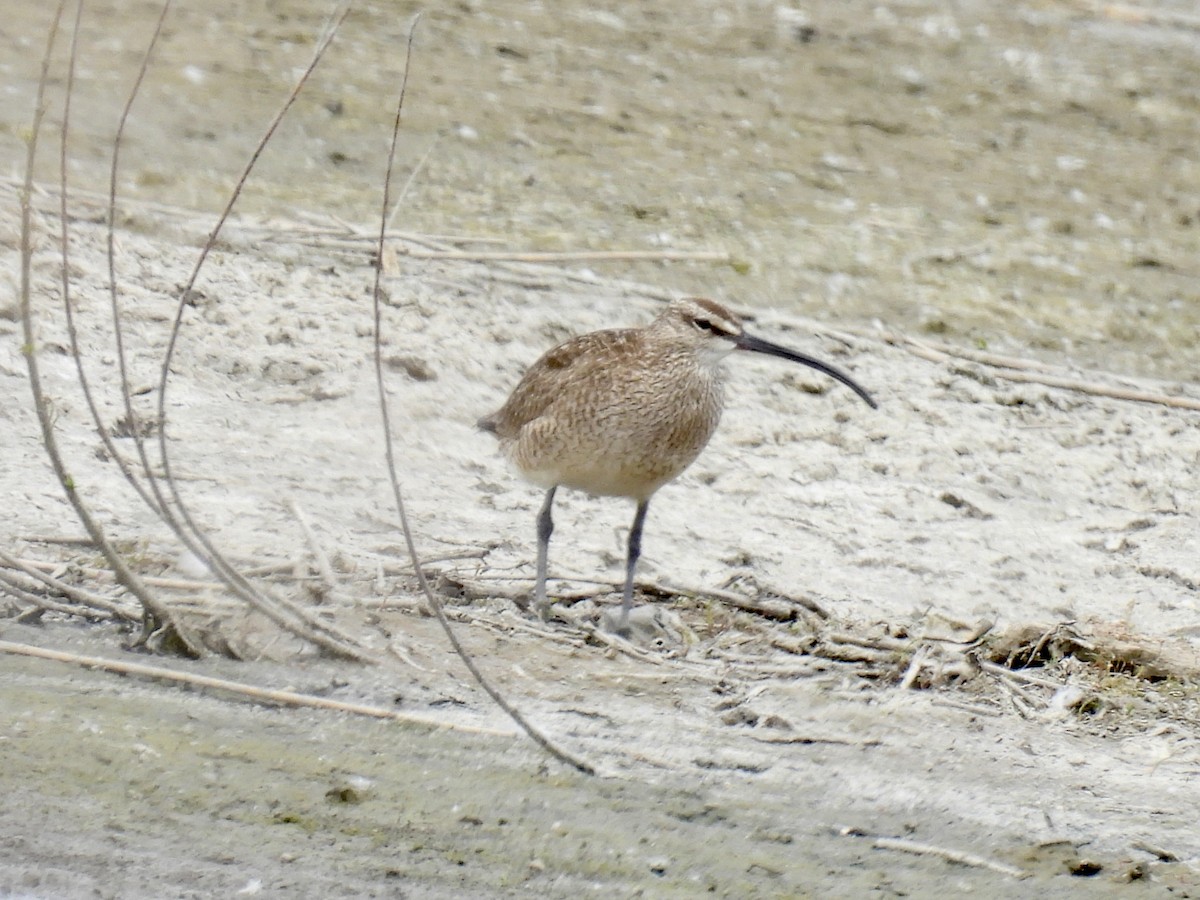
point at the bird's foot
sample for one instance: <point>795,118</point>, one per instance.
<point>642,624</point>
<point>550,613</point>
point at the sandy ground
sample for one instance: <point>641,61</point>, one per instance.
<point>741,755</point>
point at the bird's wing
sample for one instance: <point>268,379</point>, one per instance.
<point>562,371</point>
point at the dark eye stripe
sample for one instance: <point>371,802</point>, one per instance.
<point>703,324</point>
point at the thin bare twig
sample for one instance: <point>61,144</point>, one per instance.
<point>282,613</point>
<point>390,455</point>
<point>156,613</point>
<point>886,644</point>
<point>974,709</point>
<point>811,739</point>
<point>914,667</point>
<point>783,609</point>
<point>572,255</point>
<point>21,591</point>
<point>114,302</point>
<point>1018,675</point>
<point>619,644</point>
<point>158,616</point>
<point>1024,371</point>
<point>63,539</point>
<point>412,177</point>
<point>955,856</point>
<point>85,598</point>
<point>183,584</point>
<point>287,698</point>
<point>1155,850</point>
<point>324,567</point>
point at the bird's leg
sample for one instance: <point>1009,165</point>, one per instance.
<point>635,550</point>
<point>545,528</point>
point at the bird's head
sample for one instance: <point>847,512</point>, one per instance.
<point>712,332</point>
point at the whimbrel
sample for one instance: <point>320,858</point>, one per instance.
<point>621,412</point>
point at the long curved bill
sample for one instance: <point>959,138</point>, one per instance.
<point>758,345</point>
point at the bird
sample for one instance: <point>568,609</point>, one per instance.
<point>623,411</point>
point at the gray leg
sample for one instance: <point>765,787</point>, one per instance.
<point>545,528</point>
<point>635,550</point>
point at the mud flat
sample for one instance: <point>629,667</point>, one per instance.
<point>999,691</point>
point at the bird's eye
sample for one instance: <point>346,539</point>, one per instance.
<point>703,324</point>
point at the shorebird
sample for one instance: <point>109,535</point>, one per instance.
<point>621,412</point>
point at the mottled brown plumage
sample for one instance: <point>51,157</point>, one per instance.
<point>622,412</point>
<point>592,414</point>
